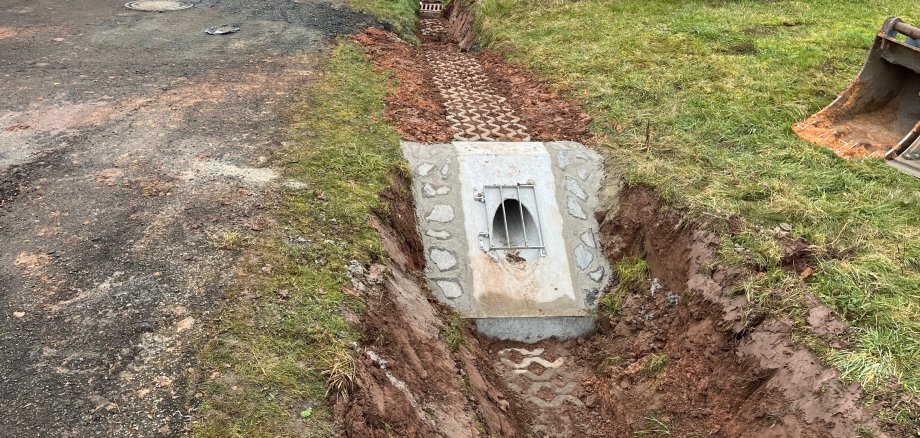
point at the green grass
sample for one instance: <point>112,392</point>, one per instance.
<point>284,343</point>
<point>400,15</point>
<point>654,427</point>
<point>719,83</point>
<point>655,364</point>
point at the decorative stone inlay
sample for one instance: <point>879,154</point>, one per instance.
<point>572,187</point>
<point>597,274</point>
<point>438,234</point>
<point>564,159</point>
<point>424,168</point>
<point>441,213</point>
<point>575,208</point>
<point>450,288</point>
<point>588,238</point>
<point>430,190</point>
<point>583,257</point>
<point>591,296</point>
<point>445,170</point>
<point>583,174</point>
<point>443,259</point>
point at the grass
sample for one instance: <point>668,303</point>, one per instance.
<point>655,364</point>
<point>718,84</point>
<point>399,15</point>
<point>452,333</point>
<point>631,274</point>
<point>285,342</point>
<point>654,427</point>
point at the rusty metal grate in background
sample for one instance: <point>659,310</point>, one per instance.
<point>430,7</point>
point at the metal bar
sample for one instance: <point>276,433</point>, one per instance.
<point>485,206</point>
<point>501,198</point>
<point>521,209</point>
<point>519,247</point>
<point>539,219</point>
<point>907,30</point>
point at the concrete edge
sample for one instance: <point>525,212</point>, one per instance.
<point>535,329</point>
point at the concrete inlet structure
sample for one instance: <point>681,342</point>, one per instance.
<point>509,232</point>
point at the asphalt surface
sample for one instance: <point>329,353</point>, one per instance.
<point>132,146</point>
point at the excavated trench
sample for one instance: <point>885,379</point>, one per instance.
<point>672,354</point>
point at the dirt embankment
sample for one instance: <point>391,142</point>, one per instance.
<point>676,356</point>
<point>409,382</point>
<point>720,373</point>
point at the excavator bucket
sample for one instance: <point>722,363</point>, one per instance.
<point>879,114</point>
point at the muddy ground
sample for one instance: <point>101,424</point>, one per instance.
<point>132,147</point>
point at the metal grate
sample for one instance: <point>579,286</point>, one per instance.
<point>517,227</point>
<point>430,7</point>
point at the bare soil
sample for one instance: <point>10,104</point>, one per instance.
<point>414,107</point>
<point>861,135</point>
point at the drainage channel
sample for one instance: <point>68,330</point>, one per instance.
<point>509,232</point>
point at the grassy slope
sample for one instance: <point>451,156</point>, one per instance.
<point>399,14</point>
<point>286,337</point>
<point>719,83</point>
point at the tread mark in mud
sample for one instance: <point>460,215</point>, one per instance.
<point>548,390</point>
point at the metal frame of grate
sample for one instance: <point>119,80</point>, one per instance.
<point>516,190</point>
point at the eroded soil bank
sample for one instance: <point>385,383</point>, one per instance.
<point>676,351</point>
<point>672,352</point>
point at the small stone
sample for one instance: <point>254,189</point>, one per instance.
<point>424,168</point>
<point>441,213</point>
<point>582,155</point>
<point>445,170</point>
<point>591,296</point>
<point>597,274</point>
<point>430,190</point>
<point>656,286</point>
<point>673,299</point>
<point>19,314</point>
<point>583,257</point>
<point>588,238</point>
<point>575,209</point>
<point>582,173</point>
<point>591,400</point>
<point>450,289</point>
<point>185,324</point>
<point>438,234</point>
<point>785,227</point>
<point>162,381</point>
<point>572,187</point>
<point>443,259</point>
<point>564,159</point>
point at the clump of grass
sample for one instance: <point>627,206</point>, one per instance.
<point>283,345</point>
<point>611,304</point>
<point>721,146</point>
<point>452,332</point>
<point>631,273</point>
<point>656,363</point>
<point>229,240</point>
<point>654,427</point>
